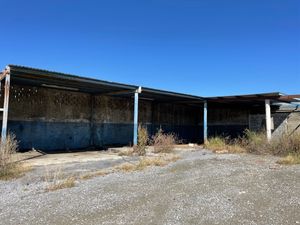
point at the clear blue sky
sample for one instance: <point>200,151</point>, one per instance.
<point>201,47</point>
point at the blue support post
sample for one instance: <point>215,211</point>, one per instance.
<point>205,122</point>
<point>136,116</point>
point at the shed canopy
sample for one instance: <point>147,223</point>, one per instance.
<point>255,98</point>
<point>38,77</point>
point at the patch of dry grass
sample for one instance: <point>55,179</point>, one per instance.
<point>287,146</point>
<point>61,184</point>
<point>126,167</point>
<point>290,159</point>
<point>93,174</point>
<point>224,145</point>
<point>14,171</point>
<point>128,152</point>
<point>56,180</point>
<point>148,161</point>
<point>151,161</point>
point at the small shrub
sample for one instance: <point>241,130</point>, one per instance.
<point>286,144</point>
<point>255,142</point>
<point>216,144</point>
<point>7,150</point>
<point>9,167</point>
<point>163,143</point>
<point>143,137</point>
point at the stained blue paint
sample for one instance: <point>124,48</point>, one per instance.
<point>108,134</point>
<point>51,135</point>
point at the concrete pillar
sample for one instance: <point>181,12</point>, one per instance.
<point>5,106</point>
<point>205,122</point>
<point>268,119</point>
<point>136,115</point>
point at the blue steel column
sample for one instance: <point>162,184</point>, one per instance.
<point>205,122</point>
<point>136,116</point>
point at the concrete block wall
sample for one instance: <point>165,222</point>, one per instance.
<point>49,119</point>
<point>227,120</point>
<point>284,122</point>
<point>183,120</point>
<point>112,121</point>
<point>52,119</point>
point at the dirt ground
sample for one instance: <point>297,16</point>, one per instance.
<point>200,188</point>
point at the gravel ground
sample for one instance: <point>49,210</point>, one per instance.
<point>201,188</point>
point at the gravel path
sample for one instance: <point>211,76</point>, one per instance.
<point>201,188</point>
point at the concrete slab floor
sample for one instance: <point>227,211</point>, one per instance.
<point>35,158</point>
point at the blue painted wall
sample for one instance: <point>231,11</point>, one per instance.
<point>51,135</point>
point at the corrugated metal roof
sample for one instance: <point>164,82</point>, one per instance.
<point>40,77</point>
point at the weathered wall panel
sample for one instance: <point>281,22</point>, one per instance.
<point>227,120</point>
<point>49,119</point>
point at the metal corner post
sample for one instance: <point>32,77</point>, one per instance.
<point>5,106</point>
<point>136,115</point>
<point>205,122</point>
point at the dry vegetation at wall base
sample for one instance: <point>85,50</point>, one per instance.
<point>287,146</point>
<point>164,142</point>
<point>9,167</point>
<point>143,139</point>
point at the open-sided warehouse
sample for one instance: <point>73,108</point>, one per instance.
<point>50,111</point>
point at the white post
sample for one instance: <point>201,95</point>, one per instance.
<point>268,119</point>
<point>5,106</point>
